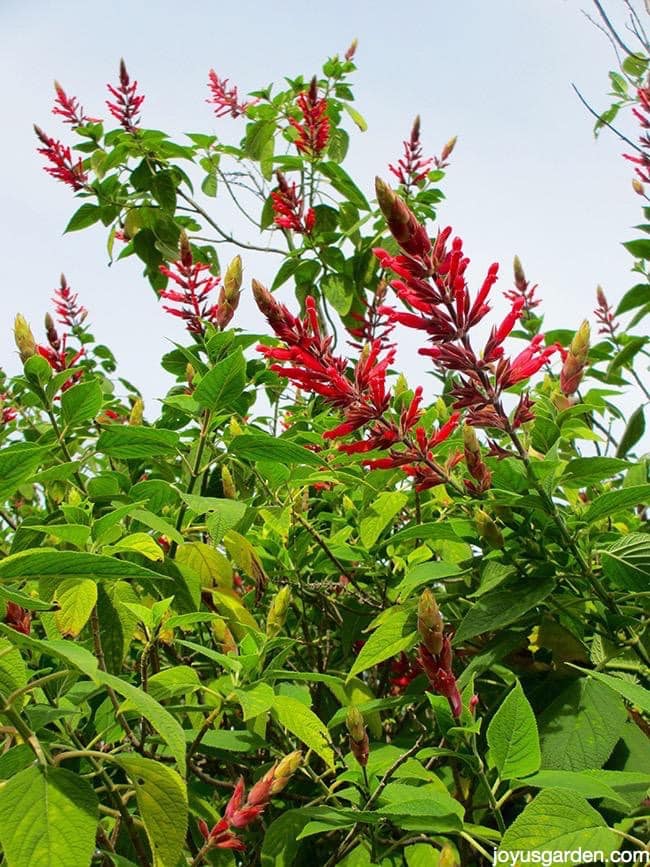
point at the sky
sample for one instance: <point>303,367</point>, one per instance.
<point>527,176</point>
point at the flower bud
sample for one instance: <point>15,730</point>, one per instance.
<point>137,410</point>
<point>575,361</point>
<point>185,250</point>
<point>638,187</point>
<point>349,54</point>
<point>448,148</point>
<point>278,610</point>
<point>487,529</point>
<point>474,461</point>
<point>227,483</point>
<point>284,770</point>
<point>358,737</point>
<point>430,623</point>
<point>51,332</point>
<point>224,636</point>
<point>233,279</point>
<point>24,338</point>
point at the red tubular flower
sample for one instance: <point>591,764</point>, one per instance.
<point>7,413</point>
<point>127,103</point>
<point>642,158</point>
<point>69,109</point>
<point>412,168</point>
<point>605,315</point>
<point>69,311</point>
<point>62,167</point>
<point>403,670</point>
<point>225,99</point>
<point>289,207</point>
<point>440,674</point>
<point>314,131</point>
<point>18,618</point>
<point>196,283</point>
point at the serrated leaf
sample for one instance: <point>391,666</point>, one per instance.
<point>583,783</point>
<point>76,600</point>
<point>70,564</point>
<point>125,442</point>
<point>394,634</point>
<point>13,673</point>
<point>255,699</point>
<point>72,534</point>
<point>139,543</point>
<point>82,402</point>
<point>626,561</point>
<point>48,819</point>
<point>588,471</point>
<point>223,384</point>
<point>425,573</point>
<point>305,725</point>
<point>383,510</point>
<point>161,796</point>
<point>17,463</point>
<point>263,447</point>
<point>558,820</point>
<point>211,567</point>
<point>606,505</point>
<point>512,737</point>
<point>633,692</point>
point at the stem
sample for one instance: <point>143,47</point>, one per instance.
<point>26,734</point>
<point>194,474</point>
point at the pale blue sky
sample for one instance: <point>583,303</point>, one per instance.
<point>527,176</point>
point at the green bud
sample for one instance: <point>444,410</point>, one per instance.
<point>278,609</point>
<point>430,625</point>
<point>487,529</point>
<point>24,338</point>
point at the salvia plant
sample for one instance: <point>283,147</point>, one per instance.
<point>315,613</point>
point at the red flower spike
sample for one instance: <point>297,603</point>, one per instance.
<point>69,109</point>
<point>605,315</point>
<point>196,283</point>
<point>127,103</point>
<point>69,311</point>
<point>314,131</point>
<point>288,208</point>
<point>412,168</point>
<point>440,675</point>
<point>225,99</point>
<point>62,167</point>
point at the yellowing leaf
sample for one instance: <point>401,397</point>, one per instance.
<point>139,543</point>
<point>212,568</point>
<point>304,724</point>
<point>76,601</point>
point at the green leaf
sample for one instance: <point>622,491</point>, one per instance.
<point>626,354</point>
<point>383,510</point>
<point>344,184</point>
<point>163,189</point>
<point>48,818</point>
<point>425,573</point>
<point>172,682</point>
<point>155,522</point>
<point>626,561</point>
<point>76,599</point>
<point>606,505</point>
<point>223,384</point>
<point>637,296</point>
<point>639,248</point>
<point>162,803</point>
<point>356,117</point>
<point>579,728</point>
<point>255,700</point>
<point>634,430</point>
<point>258,135</point>
<point>210,566</point>
<point>558,820</point>
<point>40,563</point>
<point>13,672</point>
<point>502,607</point>
<point>305,725</point>
<point>589,471</point>
<point>512,737</point>
<point>584,783</point>
<point>222,514</point>
<point>86,215</point>
<point>72,534</point>
<point>125,441</point>
<point>263,447</point>
<point>81,402</point>
<point>17,463</point>
<point>280,846</point>
<point>394,634</point>
<point>139,543</point>
<point>633,692</point>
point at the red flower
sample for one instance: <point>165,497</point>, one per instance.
<point>127,103</point>
<point>440,674</point>
<point>70,313</point>
<point>314,131</point>
<point>7,413</point>
<point>288,208</point>
<point>69,109</point>
<point>62,167</point>
<point>412,168</point>
<point>225,100</point>
<point>605,315</point>
<point>18,618</point>
<point>196,283</point>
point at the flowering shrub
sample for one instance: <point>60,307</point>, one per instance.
<point>314,613</point>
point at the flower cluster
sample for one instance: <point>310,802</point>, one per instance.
<point>605,315</point>
<point>69,109</point>
<point>431,282</point>
<point>314,131</point>
<point>642,158</point>
<point>225,99</point>
<point>241,811</point>
<point>307,362</point>
<point>412,168</point>
<point>127,103</point>
<point>371,324</point>
<point>435,654</point>
<point>57,355</point>
<point>62,166</point>
<point>196,283</point>
<point>69,311</point>
<point>289,208</point>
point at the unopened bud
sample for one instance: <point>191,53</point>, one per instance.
<point>228,484</point>
<point>470,440</point>
<point>638,187</point>
<point>224,636</point>
<point>448,148</point>
<point>137,411</point>
<point>263,298</point>
<point>284,770</point>
<point>575,361</point>
<point>185,250</point>
<point>51,332</point>
<point>277,616</point>
<point>601,297</point>
<point>24,338</point>
<point>474,461</point>
<point>415,130</point>
<point>349,54</point>
<point>449,856</point>
<point>430,624</point>
<point>487,529</point>
<point>190,373</point>
<point>358,737</point>
<point>520,276</point>
<point>232,280</point>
